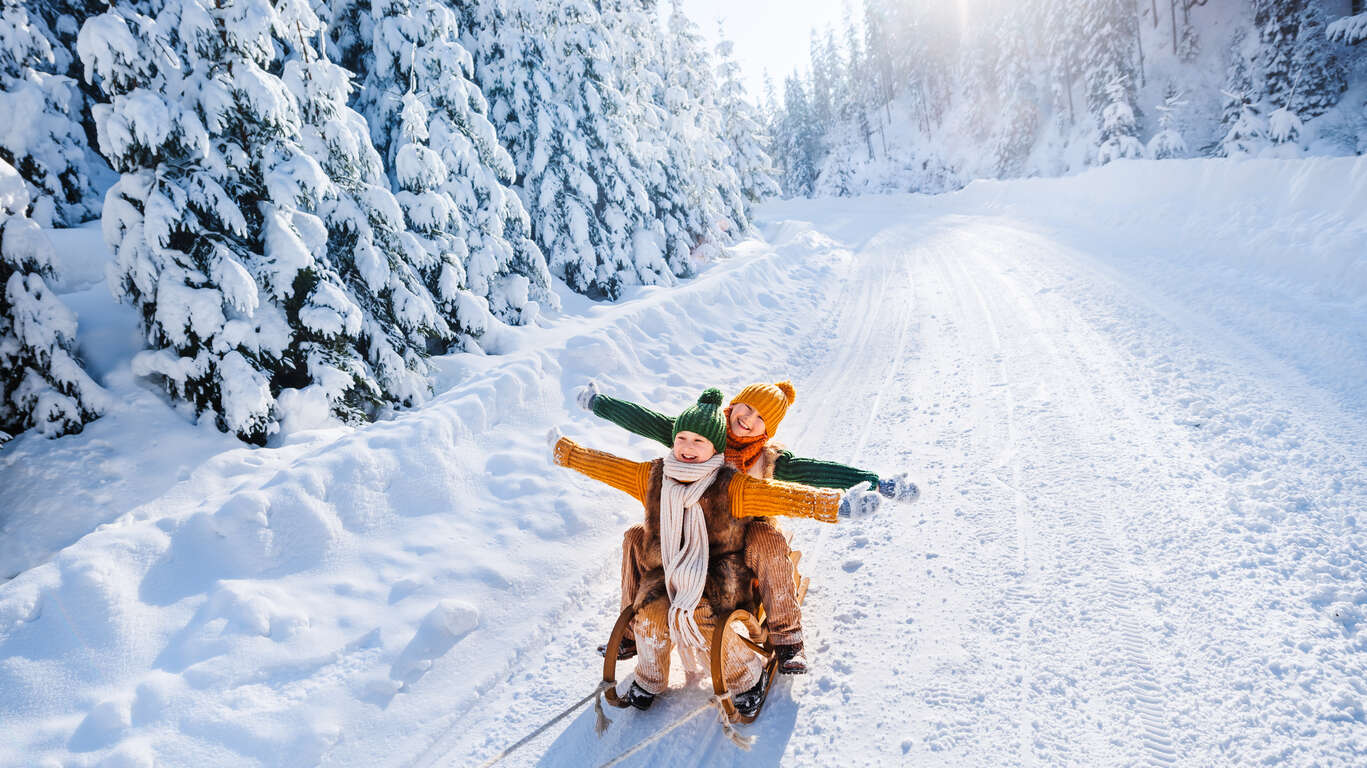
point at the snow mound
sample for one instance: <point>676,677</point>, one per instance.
<point>338,588</point>
<point>1298,222</point>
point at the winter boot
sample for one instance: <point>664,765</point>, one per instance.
<point>748,702</point>
<point>639,697</point>
<point>626,650</point>
<point>791,659</point>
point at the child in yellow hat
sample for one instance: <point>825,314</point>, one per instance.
<point>697,512</point>
<point>752,418</point>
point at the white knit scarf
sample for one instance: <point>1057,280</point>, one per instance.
<point>683,542</point>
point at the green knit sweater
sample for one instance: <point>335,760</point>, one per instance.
<point>790,468</point>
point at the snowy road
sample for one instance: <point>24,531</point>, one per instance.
<point>1138,544</point>
<point>1136,400</point>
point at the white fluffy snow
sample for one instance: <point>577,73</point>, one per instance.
<point>1135,401</point>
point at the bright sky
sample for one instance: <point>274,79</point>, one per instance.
<point>768,33</point>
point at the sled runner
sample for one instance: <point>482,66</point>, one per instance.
<point>755,638</point>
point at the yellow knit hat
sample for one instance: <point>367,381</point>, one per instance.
<point>770,400</point>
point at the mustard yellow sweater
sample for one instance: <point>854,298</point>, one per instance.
<point>748,496</point>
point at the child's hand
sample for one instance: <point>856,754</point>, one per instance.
<point>858,502</point>
<point>553,437</point>
<point>899,487</point>
<point>585,396</point>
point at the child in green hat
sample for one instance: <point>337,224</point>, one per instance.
<point>752,418</point>
<point>697,511</point>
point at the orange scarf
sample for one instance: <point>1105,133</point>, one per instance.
<point>743,452</point>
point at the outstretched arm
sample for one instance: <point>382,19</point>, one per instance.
<point>820,474</point>
<point>623,474</point>
<point>765,498</point>
<point>629,416</point>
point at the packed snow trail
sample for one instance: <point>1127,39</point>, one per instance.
<point>1135,400</point>
<point>1138,543</point>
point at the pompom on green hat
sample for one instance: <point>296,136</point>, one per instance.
<point>704,418</point>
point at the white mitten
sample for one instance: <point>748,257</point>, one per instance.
<point>552,438</point>
<point>585,396</point>
<point>899,487</point>
<point>858,502</point>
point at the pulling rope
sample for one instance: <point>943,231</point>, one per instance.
<point>727,727</point>
<point>658,735</point>
<point>600,725</point>
<point>602,722</point>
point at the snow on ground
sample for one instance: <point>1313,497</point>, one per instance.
<point>1135,397</point>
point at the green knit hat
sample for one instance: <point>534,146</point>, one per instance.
<point>705,418</point>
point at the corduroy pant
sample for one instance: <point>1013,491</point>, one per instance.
<point>766,553</point>
<point>740,666</point>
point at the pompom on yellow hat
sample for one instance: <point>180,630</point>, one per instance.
<point>770,400</point>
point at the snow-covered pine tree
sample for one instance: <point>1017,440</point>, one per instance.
<point>1246,134</point>
<point>1168,142</point>
<point>940,29</point>
<point>1063,54</point>
<point>42,385</point>
<point>803,150</point>
<point>350,34</point>
<point>1240,119</point>
<point>741,128</point>
<point>1348,29</point>
<point>776,127</point>
<point>1295,58</point>
<point>770,114</point>
<point>547,70</point>
<point>61,21</point>
<point>1319,78</point>
<point>716,207</point>
<point>860,96</point>
<point>1109,70</point>
<point>928,37</point>
<point>658,114</point>
<point>43,138</point>
<point>820,96</point>
<point>1276,22</point>
<point>1283,126</point>
<point>252,269</point>
<point>854,66</point>
<point>368,247</point>
<point>1119,128</point>
<point>838,68</point>
<point>880,50</point>
<point>449,172</point>
<point>1187,43</point>
<point>494,32</point>
<point>1019,114</point>
<point>978,89</point>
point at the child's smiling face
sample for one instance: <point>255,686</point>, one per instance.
<point>745,421</point>
<point>693,448</point>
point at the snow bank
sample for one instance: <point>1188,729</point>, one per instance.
<point>1299,222</point>
<point>245,606</point>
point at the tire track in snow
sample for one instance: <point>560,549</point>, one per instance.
<point>846,380</point>
<point>1278,452</point>
<point>1143,686</point>
<point>1020,597</point>
<point>992,295</point>
<point>992,384</point>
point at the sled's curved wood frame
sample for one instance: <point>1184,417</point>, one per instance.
<point>610,658</point>
<point>756,627</point>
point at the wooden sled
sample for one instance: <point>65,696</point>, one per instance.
<point>755,637</point>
